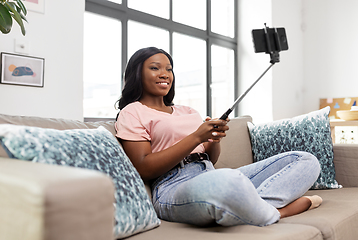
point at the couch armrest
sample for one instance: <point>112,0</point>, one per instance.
<point>41,202</point>
<point>346,164</point>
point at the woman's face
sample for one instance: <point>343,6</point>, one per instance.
<point>157,75</point>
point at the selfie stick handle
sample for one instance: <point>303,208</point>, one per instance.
<point>226,114</point>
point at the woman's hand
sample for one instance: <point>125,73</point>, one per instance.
<point>151,165</point>
<point>218,131</point>
<point>212,146</point>
<point>212,130</point>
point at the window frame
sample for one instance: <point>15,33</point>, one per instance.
<point>124,14</point>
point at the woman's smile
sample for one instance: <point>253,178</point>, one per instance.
<point>165,84</point>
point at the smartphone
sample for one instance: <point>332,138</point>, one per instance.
<point>277,38</point>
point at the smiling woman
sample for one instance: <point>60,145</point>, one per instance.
<point>172,147</point>
<point>133,84</point>
<point>157,79</point>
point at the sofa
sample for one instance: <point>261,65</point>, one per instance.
<point>43,201</point>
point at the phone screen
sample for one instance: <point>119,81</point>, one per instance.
<point>259,39</point>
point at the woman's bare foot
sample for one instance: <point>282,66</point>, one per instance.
<point>315,201</point>
<point>300,205</point>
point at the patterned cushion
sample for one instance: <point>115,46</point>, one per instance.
<point>310,132</point>
<point>95,149</point>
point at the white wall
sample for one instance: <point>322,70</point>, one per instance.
<point>287,84</point>
<point>57,36</point>
<point>330,50</point>
<point>321,61</point>
<point>258,102</point>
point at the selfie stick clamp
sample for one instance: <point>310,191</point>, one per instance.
<point>275,57</point>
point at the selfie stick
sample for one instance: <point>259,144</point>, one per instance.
<point>226,114</point>
<point>275,57</point>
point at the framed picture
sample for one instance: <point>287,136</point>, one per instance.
<point>35,5</point>
<point>22,70</point>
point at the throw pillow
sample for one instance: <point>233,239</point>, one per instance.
<point>95,149</point>
<point>309,132</point>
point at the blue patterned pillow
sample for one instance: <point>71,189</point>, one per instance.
<point>95,149</point>
<point>310,133</point>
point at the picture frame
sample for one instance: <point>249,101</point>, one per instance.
<point>22,70</point>
<point>35,5</point>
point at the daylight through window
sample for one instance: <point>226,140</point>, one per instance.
<point>200,35</point>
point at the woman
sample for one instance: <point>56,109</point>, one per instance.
<point>171,146</point>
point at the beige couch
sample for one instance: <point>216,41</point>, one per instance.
<point>39,201</point>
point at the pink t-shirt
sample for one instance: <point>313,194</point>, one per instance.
<point>137,122</point>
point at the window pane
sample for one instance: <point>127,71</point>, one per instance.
<point>189,12</point>
<point>142,35</point>
<point>158,8</point>
<point>222,15</point>
<point>189,56</point>
<point>116,1</point>
<point>222,86</point>
<point>101,65</point>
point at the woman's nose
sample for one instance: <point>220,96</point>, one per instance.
<point>164,75</point>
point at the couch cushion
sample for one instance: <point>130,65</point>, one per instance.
<point>346,164</point>
<point>236,147</point>
<point>180,231</point>
<point>309,132</point>
<point>2,152</point>
<point>336,218</point>
<point>109,125</point>
<point>54,123</point>
<point>41,201</point>
<point>95,149</point>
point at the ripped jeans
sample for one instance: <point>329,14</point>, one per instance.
<point>199,194</point>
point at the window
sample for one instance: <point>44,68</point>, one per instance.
<point>158,8</point>
<point>189,56</point>
<point>152,36</point>
<point>191,13</point>
<point>201,36</point>
<point>101,65</point>
<point>223,17</point>
<point>116,1</point>
<point>222,84</point>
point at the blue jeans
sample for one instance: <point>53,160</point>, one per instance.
<point>201,195</point>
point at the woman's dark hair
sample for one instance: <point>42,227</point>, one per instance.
<point>133,88</point>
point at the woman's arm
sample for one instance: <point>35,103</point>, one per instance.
<point>152,165</point>
<point>213,149</point>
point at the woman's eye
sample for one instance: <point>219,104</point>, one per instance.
<point>154,68</point>
<point>170,70</point>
